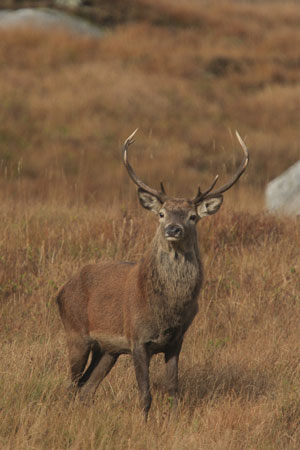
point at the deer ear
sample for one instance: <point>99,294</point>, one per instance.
<point>149,201</point>
<point>209,206</point>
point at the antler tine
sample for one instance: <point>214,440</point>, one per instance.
<point>233,180</point>
<point>162,188</point>
<point>200,195</point>
<point>160,195</point>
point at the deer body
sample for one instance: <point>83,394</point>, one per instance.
<point>157,295</point>
<point>143,308</point>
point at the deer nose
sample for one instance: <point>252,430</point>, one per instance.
<point>174,231</point>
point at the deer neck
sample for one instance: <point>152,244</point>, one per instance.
<point>175,277</point>
<point>175,253</point>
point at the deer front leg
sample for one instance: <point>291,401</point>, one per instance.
<point>141,361</point>
<point>171,359</point>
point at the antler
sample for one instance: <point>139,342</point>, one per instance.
<point>160,195</point>
<point>208,194</point>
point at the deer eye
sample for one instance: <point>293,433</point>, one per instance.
<point>161,214</point>
<point>193,217</point>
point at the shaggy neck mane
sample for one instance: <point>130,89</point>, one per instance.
<point>175,278</point>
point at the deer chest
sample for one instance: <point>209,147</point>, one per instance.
<point>164,338</point>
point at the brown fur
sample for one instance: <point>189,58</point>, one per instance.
<point>137,308</point>
<point>144,308</point>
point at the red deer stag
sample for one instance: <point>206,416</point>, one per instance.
<point>142,308</point>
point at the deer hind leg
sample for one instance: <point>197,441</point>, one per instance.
<point>96,357</point>
<point>79,350</point>
<point>99,372</point>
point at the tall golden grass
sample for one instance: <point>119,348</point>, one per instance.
<point>67,104</point>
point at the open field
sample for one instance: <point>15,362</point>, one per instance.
<point>187,82</point>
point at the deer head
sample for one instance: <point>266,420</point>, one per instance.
<point>178,217</point>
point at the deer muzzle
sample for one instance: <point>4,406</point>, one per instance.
<point>174,232</point>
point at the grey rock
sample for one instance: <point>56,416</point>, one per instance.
<point>283,193</point>
<point>46,17</point>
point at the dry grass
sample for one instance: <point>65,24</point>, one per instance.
<point>66,106</point>
<point>239,374</point>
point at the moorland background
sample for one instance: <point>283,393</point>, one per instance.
<point>187,74</point>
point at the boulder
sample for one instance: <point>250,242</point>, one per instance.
<point>46,17</point>
<point>283,193</point>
